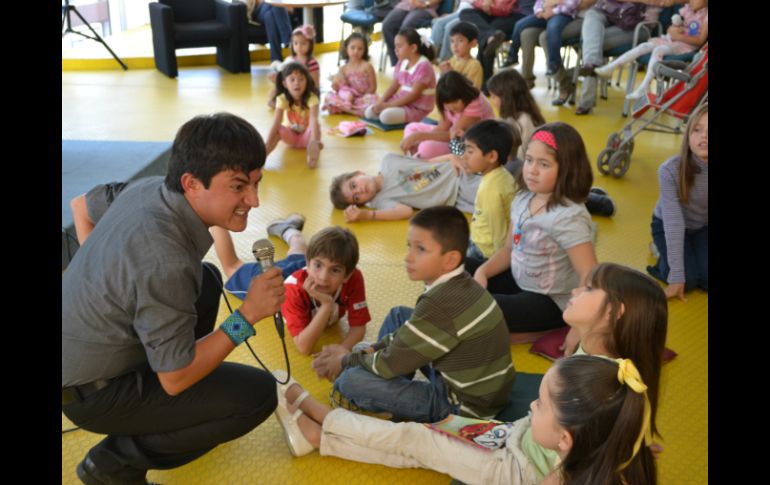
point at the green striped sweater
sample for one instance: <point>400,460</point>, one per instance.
<point>458,327</point>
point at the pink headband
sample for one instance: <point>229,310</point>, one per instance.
<point>306,30</point>
<point>546,137</point>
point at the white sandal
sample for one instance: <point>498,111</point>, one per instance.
<point>295,440</point>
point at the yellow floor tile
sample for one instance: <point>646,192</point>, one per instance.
<point>146,105</point>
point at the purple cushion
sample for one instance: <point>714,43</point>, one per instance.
<point>548,346</point>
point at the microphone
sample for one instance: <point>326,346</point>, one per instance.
<point>264,252</point>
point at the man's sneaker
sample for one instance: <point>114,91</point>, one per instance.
<point>278,226</point>
<point>598,190</point>
<point>601,205</point>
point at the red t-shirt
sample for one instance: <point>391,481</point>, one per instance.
<point>298,308</point>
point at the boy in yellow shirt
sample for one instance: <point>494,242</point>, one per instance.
<point>463,37</point>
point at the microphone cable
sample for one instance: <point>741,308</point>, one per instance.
<point>283,341</point>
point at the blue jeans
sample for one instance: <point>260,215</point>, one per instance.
<point>439,33</point>
<point>696,256</point>
<point>238,283</point>
<point>407,400</point>
<point>553,27</point>
<point>277,26</point>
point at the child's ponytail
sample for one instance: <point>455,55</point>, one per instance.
<point>603,404</point>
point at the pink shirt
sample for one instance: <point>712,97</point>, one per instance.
<point>499,8</point>
<point>421,71</point>
<point>478,108</point>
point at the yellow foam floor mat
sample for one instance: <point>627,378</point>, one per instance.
<point>152,107</point>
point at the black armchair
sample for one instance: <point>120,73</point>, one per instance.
<point>179,24</point>
<point>255,34</point>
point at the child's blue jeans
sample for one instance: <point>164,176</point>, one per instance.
<point>238,284</point>
<point>696,256</point>
<point>404,398</point>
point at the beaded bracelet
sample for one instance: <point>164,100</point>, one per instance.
<point>237,328</point>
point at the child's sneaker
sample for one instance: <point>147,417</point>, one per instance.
<point>278,226</point>
<point>637,93</point>
<point>598,190</point>
<point>600,205</point>
<point>604,71</point>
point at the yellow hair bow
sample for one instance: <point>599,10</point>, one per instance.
<point>629,375</point>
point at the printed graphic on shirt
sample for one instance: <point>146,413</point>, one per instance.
<point>359,305</point>
<point>416,179</point>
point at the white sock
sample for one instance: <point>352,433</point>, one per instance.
<point>290,233</point>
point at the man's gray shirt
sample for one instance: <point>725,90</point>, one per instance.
<point>128,296</point>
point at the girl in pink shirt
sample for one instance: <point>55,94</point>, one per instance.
<point>411,95</point>
<point>461,105</point>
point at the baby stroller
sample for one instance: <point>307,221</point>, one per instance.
<point>681,89</point>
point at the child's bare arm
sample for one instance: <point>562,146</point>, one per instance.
<point>353,213</point>
<point>372,79</point>
<point>315,128</point>
<point>499,262</point>
<point>83,223</point>
<point>355,335</point>
<point>273,136</point>
<point>463,124</point>
<point>309,335</point>
<point>583,259</point>
<point>693,40</point>
<point>414,95</point>
<point>223,246</point>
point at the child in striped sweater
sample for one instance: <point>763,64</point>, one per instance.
<point>456,336</point>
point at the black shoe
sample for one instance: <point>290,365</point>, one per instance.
<point>90,475</point>
<point>601,205</point>
<point>580,111</point>
<point>494,43</point>
<point>587,70</point>
<point>510,61</point>
<point>598,190</point>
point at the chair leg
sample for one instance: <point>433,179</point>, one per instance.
<point>632,70</point>
<point>383,55</point>
<point>342,40</point>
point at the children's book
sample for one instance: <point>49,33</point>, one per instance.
<point>481,433</point>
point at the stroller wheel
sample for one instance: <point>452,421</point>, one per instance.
<point>613,141</point>
<point>619,163</point>
<point>629,141</point>
<point>603,162</point>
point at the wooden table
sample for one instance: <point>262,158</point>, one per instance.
<point>307,7</point>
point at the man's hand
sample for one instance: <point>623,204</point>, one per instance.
<point>322,298</point>
<point>265,295</point>
<point>328,363</point>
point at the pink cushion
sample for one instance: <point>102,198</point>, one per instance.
<point>548,346</point>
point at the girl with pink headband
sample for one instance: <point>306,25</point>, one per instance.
<point>549,250</point>
<point>302,43</point>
